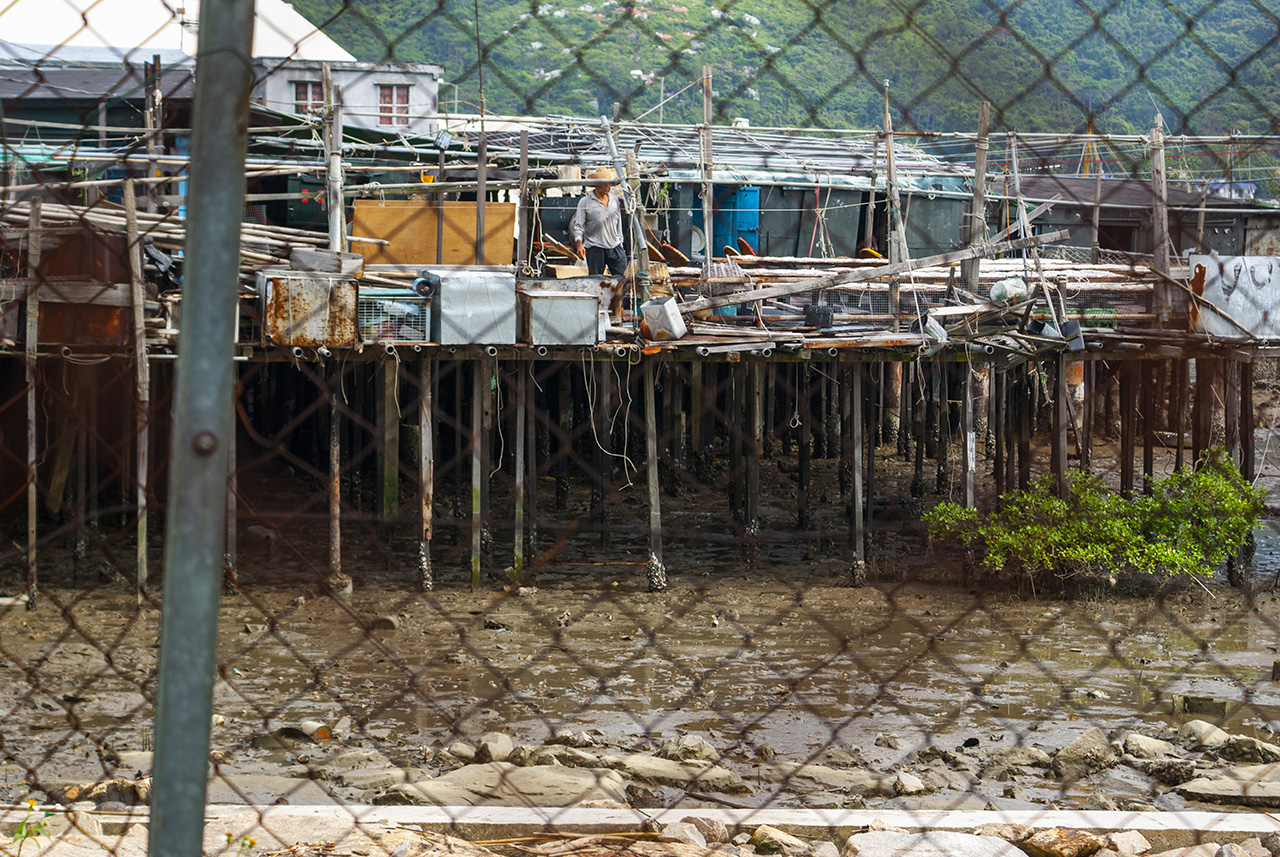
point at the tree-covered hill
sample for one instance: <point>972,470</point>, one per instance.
<point>1046,65</point>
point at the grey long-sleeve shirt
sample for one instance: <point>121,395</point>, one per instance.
<point>596,223</point>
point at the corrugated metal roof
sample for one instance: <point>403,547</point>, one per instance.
<point>1126,193</point>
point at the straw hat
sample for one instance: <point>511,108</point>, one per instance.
<point>602,173</point>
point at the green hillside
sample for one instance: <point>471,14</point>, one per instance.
<point>1046,65</point>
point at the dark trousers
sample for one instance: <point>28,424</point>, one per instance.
<point>612,257</point>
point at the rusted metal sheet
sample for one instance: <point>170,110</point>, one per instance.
<point>85,324</point>
<point>308,309</point>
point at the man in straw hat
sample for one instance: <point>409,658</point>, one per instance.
<point>597,226</point>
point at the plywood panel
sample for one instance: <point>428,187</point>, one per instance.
<point>410,226</point>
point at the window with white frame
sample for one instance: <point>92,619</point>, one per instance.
<point>393,104</point>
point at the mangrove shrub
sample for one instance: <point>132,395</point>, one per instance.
<point>1190,523</point>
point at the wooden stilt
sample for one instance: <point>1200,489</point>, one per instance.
<point>1026,422</point>
<point>1086,419</point>
<point>845,383</point>
<point>32,335</point>
<point>1061,422</point>
<point>462,438</point>
<point>872,414</point>
<point>1248,467</point>
<point>999,420</point>
<point>916,394</point>
<point>932,419</point>
<point>1128,426</point>
<point>1202,413</point>
<point>1231,408</point>
<point>426,471</point>
<point>969,441</point>
<point>737,467</point>
<point>521,415</point>
<point>655,569</point>
<point>230,549</point>
<point>387,403</point>
<point>531,485</point>
<point>942,482</point>
<point>1182,375</point>
<point>803,517</point>
<point>770,406</point>
<point>754,442</point>
<point>1148,410</point>
<point>488,419</point>
<point>564,446</point>
<point>906,399</point>
<point>478,381</point>
<point>853,380</point>
<point>788,394</point>
<point>604,446</point>
<point>143,370</point>
<point>335,581</point>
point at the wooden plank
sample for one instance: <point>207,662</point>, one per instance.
<point>423,232</point>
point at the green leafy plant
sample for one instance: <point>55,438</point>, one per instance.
<point>1191,522</point>
<point>32,826</point>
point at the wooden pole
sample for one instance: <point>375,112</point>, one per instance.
<point>969,448</point>
<point>230,558</point>
<point>755,447</point>
<point>482,168</point>
<point>1060,423</point>
<point>564,447</point>
<point>32,337</point>
<point>919,411</point>
<point>655,569</point>
<point>869,491</point>
<point>1096,223</point>
<point>942,481</point>
<point>803,516</point>
<point>857,511</point>
<point>978,217</point>
<point>708,187</point>
<point>1026,421</point>
<point>737,469</point>
<point>1160,222</point>
<point>531,462</point>
<point>387,400</point>
<point>522,428</point>
<point>1089,408</point>
<point>1128,420</point>
<point>1248,468</point>
<point>1148,412</point>
<point>335,481</point>
<point>426,471</point>
<point>1231,409</point>
<point>1182,376</point>
<point>525,205</point>
<point>478,382</point>
<point>142,416</point>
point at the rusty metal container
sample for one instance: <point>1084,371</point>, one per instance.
<point>308,308</point>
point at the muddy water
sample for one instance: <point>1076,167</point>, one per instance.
<point>753,664</point>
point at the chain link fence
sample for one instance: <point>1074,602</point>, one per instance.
<point>487,542</point>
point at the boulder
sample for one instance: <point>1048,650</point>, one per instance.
<point>806,777</point>
<point>908,784</point>
<point>73,822</point>
<point>1127,843</point>
<point>681,831</point>
<point>562,754</point>
<point>1089,753</point>
<point>353,760</point>
<point>463,752</point>
<point>1199,735</point>
<point>1144,747</point>
<point>689,776</point>
<point>1061,842</point>
<point>933,844</point>
<point>1244,748</point>
<point>689,748</point>
<point>1008,832</point>
<point>381,778</point>
<point>1004,763</point>
<point>1250,785</point>
<point>713,830</point>
<point>504,784</point>
<point>127,792</point>
<point>951,801</point>
<point>771,840</point>
<point>1171,772</point>
<point>493,747</point>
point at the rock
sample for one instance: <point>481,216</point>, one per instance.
<point>573,739</point>
<point>561,754</point>
<point>1143,747</point>
<point>1101,803</point>
<point>771,840</point>
<point>382,778</point>
<point>713,830</point>
<point>265,789</point>
<point>742,839</point>
<point>284,738</point>
<point>805,777</point>
<point>908,784</point>
<point>1232,850</point>
<point>127,792</point>
<point>692,776</point>
<point>1008,832</point>
<point>1244,748</point>
<point>1061,842</point>
<point>68,823</point>
<point>1253,845</point>
<point>1013,804</point>
<point>522,755</point>
<point>1089,753</point>
<point>683,832</point>
<point>1171,772</point>
<point>1003,763</point>
<point>1271,842</point>
<point>384,623</point>
<point>689,748</point>
<point>837,757</point>
<point>464,752</point>
<point>821,848</point>
<point>1250,785</point>
<point>1206,705</point>
<point>353,760</point>
<point>1208,849</point>
<point>933,844</point>
<point>954,802</point>
<point>1199,735</point>
<point>943,781</point>
<point>892,742</point>
<point>493,747</point>
<point>504,784</point>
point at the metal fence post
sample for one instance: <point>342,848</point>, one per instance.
<point>202,427</point>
